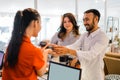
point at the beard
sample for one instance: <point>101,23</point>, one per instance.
<point>90,27</point>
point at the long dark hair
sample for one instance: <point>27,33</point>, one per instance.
<point>21,21</point>
<point>62,30</point>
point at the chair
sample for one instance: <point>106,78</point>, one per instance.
<point>112,65</point>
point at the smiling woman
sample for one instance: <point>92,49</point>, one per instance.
<point>57,9</point>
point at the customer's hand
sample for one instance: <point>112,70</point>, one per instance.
<point>60,50</point>
<point>75,63</point>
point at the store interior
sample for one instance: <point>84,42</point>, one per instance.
<point>51,12</point>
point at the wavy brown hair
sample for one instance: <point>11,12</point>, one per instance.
<point>62,30</point>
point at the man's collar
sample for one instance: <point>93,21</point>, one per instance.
<point>94,33</point>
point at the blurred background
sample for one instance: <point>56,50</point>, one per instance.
<point>51,12</point>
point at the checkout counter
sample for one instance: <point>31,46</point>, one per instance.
<point>112,66</point>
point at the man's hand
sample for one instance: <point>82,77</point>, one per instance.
<point>60,50</point>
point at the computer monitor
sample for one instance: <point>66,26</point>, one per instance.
<point>58,71</point>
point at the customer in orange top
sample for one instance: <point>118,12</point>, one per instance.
<point>24,61</point>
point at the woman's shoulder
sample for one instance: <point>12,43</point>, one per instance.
<point>56,33</point>
<point>55,38</point>
<point>30,47</point>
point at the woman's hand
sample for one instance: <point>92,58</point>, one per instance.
<point>60,50</point>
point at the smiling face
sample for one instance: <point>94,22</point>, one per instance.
<point>90,21</point>
<point>67,24</point>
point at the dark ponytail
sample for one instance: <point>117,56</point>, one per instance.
<point>21,22</point>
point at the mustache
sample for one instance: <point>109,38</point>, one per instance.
<point>86,24</point>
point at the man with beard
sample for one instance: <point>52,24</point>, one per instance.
<point>89,48</point>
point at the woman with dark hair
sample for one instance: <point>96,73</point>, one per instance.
<point>68,32</point>
<point>24,61</point>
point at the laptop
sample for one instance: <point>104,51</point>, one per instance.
<point>58,71</point>
<point>1,59</point>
